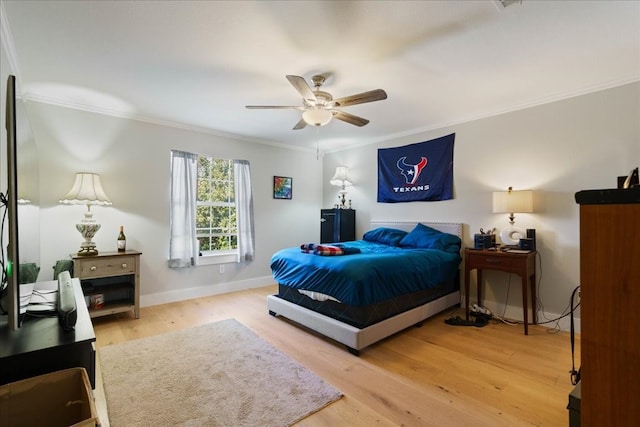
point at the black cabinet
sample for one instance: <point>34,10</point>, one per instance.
<point>337,225</point>
<point>41,346</point>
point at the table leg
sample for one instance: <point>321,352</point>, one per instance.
<point>534,300</point>
<point>525,308</point>
<point>479,287</point>
<point>466,292</point>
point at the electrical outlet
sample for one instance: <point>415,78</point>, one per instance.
<point>221,268</point>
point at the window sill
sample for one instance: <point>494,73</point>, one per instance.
<point>217,258</point>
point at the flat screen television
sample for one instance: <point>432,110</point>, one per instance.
<point>21,200</point>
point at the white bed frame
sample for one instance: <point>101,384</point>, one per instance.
<point>354,338</point>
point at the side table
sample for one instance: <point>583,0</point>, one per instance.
<point>115,276</point>
<point>522,264</point>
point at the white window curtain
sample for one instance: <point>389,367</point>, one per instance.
<point>183,246</point>
<point>244,210</point>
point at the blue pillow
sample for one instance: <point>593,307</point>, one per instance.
<point>387,236</point>
<point>426,237</point>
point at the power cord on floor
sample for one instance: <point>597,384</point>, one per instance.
<point>575,375</point>
<point>539,304</point>
<point>566,312</point>
<point>4,278</point>
<point>502,318</point>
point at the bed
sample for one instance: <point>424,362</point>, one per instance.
<point>393,282</point>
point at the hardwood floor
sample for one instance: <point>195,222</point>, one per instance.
<point>434,375</point>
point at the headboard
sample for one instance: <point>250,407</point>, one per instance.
<point>454,228</point>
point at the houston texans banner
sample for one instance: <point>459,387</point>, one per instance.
<point>416,172</point>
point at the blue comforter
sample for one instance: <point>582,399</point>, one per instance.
<point>377,273</point>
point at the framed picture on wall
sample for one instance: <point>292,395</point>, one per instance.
<point>282,187</point>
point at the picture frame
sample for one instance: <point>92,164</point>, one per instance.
<point>282,187</point>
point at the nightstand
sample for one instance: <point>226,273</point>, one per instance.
<point>115,277</point>
<point>522,264</point>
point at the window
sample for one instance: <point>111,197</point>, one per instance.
<point>211,211</point>
<point>216,225</point>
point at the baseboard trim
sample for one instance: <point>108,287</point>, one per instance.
<point>513,312</point>
<point>204,291</point>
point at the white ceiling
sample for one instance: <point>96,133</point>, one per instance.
<point>196,64</point>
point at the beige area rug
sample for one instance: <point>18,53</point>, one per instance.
<point>220,374</point>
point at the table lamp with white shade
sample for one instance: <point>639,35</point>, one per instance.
<point>87,190</point>
<point>512,202</point>
<point>342,178</point>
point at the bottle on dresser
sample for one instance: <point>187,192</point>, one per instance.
<point>122,240</point>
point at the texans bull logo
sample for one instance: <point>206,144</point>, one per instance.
<point>411,172</point>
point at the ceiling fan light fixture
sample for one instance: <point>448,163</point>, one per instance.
<point>319,106</point>
<point>317,116</point>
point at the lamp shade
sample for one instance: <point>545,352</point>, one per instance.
<point>317,116</point>
<point>86,190</point>
<point>513,201</point>
<point>341,177</point>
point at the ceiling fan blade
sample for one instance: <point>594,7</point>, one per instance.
<point>300,125</point>
<point>303,88</point>
<point>350,118</point>
<point>288,107</point>
<point>361,98</point>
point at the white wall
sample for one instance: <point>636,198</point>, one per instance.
<point>555,149</point>
<point>4,73</point>
<point>132,158</point>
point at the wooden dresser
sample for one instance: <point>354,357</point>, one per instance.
<point>610,306</point>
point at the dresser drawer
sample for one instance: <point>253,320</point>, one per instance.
<point>99,267</point>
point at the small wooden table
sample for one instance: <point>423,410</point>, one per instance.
<point>522,264</point>
<point>114,275</point>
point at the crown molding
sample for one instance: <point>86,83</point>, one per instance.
<point>9,46</point>
<point>33,97</point>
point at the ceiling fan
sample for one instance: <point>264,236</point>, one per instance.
<point>319,107</point>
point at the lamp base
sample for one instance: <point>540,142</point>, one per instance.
<point>343,201</point>
<point>92,251</point>
<point>88,229</point>
<point>511,235</point>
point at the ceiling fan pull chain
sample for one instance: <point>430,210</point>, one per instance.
<point>317,142</point>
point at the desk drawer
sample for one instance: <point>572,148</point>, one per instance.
<point>100,267</point>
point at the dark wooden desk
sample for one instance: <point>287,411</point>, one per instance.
<point>523,265</point>
<point>41,346</point>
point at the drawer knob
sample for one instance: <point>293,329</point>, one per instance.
<point>93,268</point>
<point>124,265</point>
